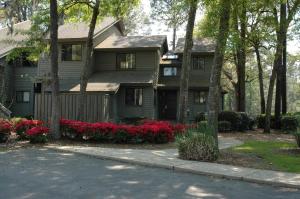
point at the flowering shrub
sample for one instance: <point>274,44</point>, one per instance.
<point>24,125</point>
<point>38,134</point>
<point>146,131</point>
<point>5,129</point>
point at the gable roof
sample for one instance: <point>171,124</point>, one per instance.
<point>119,42</point>
<point>10,41</point>
<point>80,30</point>
<point>203,45</point>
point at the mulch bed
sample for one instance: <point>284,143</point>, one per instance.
<point>259,135</point>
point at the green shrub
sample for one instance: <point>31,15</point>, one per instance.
<point>261,121</point>
<point>197,144</point>
<point>233,117</point>
<point>200,117</point>
<point>224,126</point>
<point>289,123</point>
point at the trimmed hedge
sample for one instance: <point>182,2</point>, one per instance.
<point>239,121</point>
<point>261,119</point>
<point>289,123</point>
<point>200,117</point>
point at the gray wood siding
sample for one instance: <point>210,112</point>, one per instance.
<point>195,108</point>
<point>146,110</point>
<point>24,81</point>
<point>145,60</point>
<point>96,109</point>
<point>72,69</point>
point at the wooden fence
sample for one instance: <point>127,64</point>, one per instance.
<point>97,107</point>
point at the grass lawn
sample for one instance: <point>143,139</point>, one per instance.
<point>282,156</point>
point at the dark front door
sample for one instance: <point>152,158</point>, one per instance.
<point>167,104</point>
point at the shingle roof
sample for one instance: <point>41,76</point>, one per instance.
<point>80,30</point>
<point>205,45</point>
<point>111,80</point>
<point>116,42</point>
<point>10,41</point>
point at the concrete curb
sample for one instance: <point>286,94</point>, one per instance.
<point>184,168</point>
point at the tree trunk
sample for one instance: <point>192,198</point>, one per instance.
<point>261,81</point>
<point>283,78</point>
<point>55,113</point>
<point>89,56</point>
<point>174,39</point>
<point>184,79</point>
<point>276,66</point>
<point>215,78</point>
<point>241,61</point>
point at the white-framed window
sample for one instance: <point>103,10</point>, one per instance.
<point>134,96</point>
<point>169,71</point>
<point>200,97</point>
<point>22,96</point>
<point>71,52</point>
<point>126,61</point>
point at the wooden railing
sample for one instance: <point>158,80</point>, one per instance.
<point>4,112</point>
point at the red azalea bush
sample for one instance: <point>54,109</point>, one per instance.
<point>24,125</point>
<point>5,129</point>
<point>147,131</point>
<point>38,134</point>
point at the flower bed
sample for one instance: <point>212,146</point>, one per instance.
<point>38,134</point>
<point>5,129</point>
<point>24,125</point>
<point>148,131</point>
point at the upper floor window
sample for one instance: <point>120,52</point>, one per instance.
<point>134,96</point>
<point>200,97</point>
<point>22,96</point>
<point>71,52</point>
<point>126,61</point>
<point>169,71</point>
<point>198,63</point>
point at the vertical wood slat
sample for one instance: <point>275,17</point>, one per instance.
<point>96,109</point>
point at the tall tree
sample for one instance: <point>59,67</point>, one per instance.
<point>186,62</point>
<point>55,113</point>
<point>215,78</point>
<point>281,26</point>
<point>173,13</point>
<point>88,61</point>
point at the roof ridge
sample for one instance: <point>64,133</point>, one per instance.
<point>15,24</point>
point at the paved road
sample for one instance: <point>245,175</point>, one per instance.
<point>46,174</point>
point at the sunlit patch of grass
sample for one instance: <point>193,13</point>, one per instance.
<point>270,151</point>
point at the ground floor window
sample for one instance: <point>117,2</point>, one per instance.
<point>134,96</point>
<point>200,97</point>
<point>22,96</point>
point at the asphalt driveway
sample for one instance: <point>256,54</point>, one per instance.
<point>46,174</point>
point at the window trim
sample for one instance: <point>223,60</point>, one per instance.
<point>118,61</point>
<point>23,102</point>
<point>198,57</point>
<point>61,52</point>
<point>134,105</point>
<point>199,92</point>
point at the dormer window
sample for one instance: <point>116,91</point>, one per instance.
<point>126,61</point>
<point>71,52</point>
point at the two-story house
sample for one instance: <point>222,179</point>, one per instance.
<point>131,76</point>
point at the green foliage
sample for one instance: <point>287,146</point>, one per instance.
<point>198,144</point>
<point>224,126</point>
<point>233,118</point>
<point>200,117</point>
<point>270,152</point>
<point>261,119</point>
<point>289,123</point>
